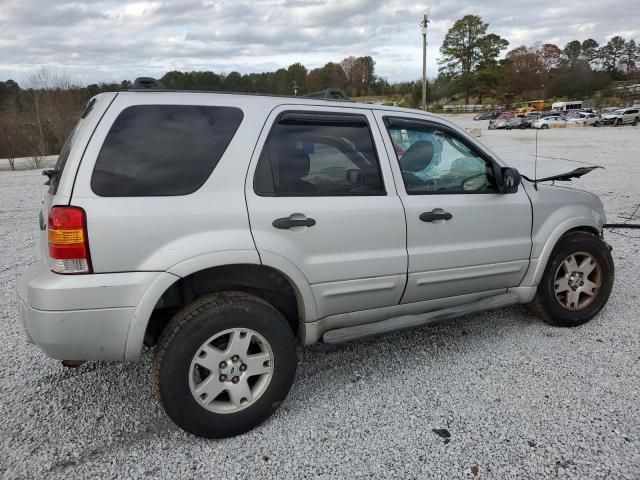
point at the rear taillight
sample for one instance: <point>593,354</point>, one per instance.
<point>68,240</point>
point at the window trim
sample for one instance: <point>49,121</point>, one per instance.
<point>497,172</point>
<point>312,117</point>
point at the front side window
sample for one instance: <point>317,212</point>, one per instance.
<point>162,150</point>
<point>435,160</point>
<point>319,155</point>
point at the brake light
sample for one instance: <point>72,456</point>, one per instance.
<point>68,240</point>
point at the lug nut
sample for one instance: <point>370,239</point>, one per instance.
<point>223,378</point>
<point>235,358</point>
<point>243,367</point>
<point>235,379</point>
<point>223,365</point>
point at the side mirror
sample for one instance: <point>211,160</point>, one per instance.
<point>510,180</point>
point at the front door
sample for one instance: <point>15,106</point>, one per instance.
<point>321,197</point>
<point>463,236</point>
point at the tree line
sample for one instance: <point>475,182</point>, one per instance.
<point>470,63</point>
<point>36,118</point>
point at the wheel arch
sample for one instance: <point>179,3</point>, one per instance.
<point>538,265</point>
<point>277,281</point>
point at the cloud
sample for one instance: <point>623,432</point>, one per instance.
<point>111,40</point>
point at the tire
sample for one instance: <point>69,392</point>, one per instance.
<point>597,124</point>
<point>619,122</point>
<point>184,346</point>
<point>544,127</point>
<point>550,306</point>
<point>635,122</point>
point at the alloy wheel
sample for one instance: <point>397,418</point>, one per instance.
<point>577,281</point>
<point>231,370</point>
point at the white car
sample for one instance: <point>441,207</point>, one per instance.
<point>225,229</point>
<point>622,116</point>
<point>585,118</point>
<point>549,122</point>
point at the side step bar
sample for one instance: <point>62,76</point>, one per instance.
<point>402,322</point>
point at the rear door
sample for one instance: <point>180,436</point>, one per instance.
<point>321,197</point>
<point>463,236</point>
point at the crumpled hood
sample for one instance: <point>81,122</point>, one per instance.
<point>565,177</point>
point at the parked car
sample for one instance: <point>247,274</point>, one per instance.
<point>531,117</point>
<point>550,122</point>
<point>487,115</point>
<point>622,116</point>
<point>500,121</point>
<point>585,118</point>
<point>516,122</point>
<point>215,228</point>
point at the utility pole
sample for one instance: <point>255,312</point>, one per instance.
<point>423,27</point>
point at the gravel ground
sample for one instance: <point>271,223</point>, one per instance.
<point>519,399</point>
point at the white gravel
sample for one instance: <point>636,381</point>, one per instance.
<point>520,399</point>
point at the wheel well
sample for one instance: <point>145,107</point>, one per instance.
<point>261,281</point>
<point>584,228</point>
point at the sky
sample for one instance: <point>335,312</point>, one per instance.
<point>112,40</point>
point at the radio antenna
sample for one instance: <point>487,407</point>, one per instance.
<point>535,165</point>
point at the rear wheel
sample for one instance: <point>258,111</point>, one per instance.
<point>635,122</point>
<point>544,126</point>
<point>577,281</point>
<point>597,124</point>
<point>619,122</point>
<point>224,364</point>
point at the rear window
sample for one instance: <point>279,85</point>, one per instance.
<point>163,150</point>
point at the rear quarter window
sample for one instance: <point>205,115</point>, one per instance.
<point>163,150</point>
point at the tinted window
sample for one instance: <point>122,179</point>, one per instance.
<point>158,150</point>
<point>316,155</point>
<point>433,160</point>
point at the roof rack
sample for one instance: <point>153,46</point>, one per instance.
<point>147,83</point>
<point>330,94</point>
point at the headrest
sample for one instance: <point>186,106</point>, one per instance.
<point>293,162</point>
<point>417,157</point>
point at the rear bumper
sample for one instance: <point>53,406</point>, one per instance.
<point>80,317</point>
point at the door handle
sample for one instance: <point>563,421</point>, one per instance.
<point>431,216</point>
<point>287,222</point>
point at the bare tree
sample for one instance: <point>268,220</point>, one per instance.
<point>56,104</point>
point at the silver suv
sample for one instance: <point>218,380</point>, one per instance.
<point>224,229</point>
<point>622,116</point>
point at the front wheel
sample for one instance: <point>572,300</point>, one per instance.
<point>224,364</point>
<point>544,127</point>
<point>597,124</point>
<point>577,281</point>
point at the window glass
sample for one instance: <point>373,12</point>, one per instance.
<point>316,156</point>
<point>435,161</point>
<point>159,150</point>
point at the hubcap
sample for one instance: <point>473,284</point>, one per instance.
<point>231,370</point>
<point>577,281</point>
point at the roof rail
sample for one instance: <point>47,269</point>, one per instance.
<point>330,94</point>
<point>146,83</point>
